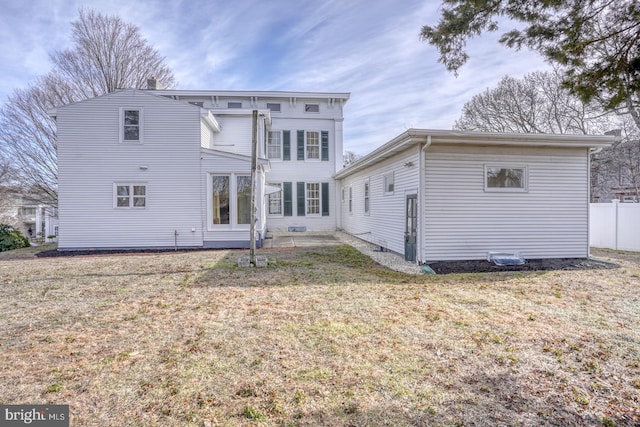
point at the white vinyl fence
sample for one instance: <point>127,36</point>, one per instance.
<point>615,226</point>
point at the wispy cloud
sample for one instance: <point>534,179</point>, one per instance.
<point>370,49</point>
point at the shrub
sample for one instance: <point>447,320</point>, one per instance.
<point>10,238</point>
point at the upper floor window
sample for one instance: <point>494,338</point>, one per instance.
<point>234,104</point>
<point>131,128</point>
<point>311,108</point>
<point>366,196</point>
<point>388,182</point>
<point>505,178</point>
<point>130,196</point>
<point>274,145</point>
<point>313,145</point>
<point>274,107</point>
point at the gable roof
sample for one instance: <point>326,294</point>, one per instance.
<point>413,137</point>
<point>141,92</point>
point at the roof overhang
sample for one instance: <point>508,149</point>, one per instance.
<point>343,96</point>
<point>227,155</point>
<point>412,137</point>
<point>209,120</point>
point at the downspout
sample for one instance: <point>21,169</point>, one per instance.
<point>590,152</point>
<point>422,203</point>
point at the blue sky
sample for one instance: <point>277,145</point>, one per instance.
<point>366,47</point>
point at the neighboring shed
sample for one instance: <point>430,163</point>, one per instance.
<point>446,195</point>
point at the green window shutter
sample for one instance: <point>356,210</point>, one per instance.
<point>286,145</point>
<point>325,198</point>
<point>300,145</point>
<point>288,198</point>
<point>325,145</point>
<point>301,196</point>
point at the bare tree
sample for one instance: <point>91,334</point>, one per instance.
<point>108,54</point>
<point>616,170</point>
<point>538,103</point>
<point>349,157</point>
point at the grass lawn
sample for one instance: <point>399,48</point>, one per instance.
<point>323,336</point>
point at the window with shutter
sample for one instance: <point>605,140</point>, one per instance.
<point>325,199</point>
<point>300,194</point>
<point>287,194</point>
<point>286,145</point>
<point>325,145</point>
<point>300,145</point>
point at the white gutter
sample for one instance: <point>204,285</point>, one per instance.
<point>416,136</point>
<point>421,200</point>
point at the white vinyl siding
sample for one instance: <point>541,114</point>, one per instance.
<point>236,134</point>
<point>91,160</point>
<point>462,221</point>
<point>385,223</point>
<point>315,171</point>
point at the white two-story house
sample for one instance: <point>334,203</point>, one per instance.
<point>171,168</point>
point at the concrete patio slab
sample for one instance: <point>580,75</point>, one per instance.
<point>299,240</point>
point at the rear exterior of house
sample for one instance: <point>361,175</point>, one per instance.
<point>445,195</point>
<point>165,169</point>
<point>303,146</point>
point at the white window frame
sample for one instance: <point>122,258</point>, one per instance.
<point>312,108</point>
<point>269,140</point>
<point>140,139</point>
<point>367,197</point>
<point>308,199</point>
<point>525,178</point>
<point>350,200</point>
<point>234,105</point>
<point>131,196</point>
<point>307,145</point>
<point>279,197</point>
<point>274,104</point>
<point>388,179</point>
<point>233,202</point>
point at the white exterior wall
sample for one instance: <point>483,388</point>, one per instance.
<point>206,136</point>
<point>308,171</point>
<point>235,137</point>
<point>463,221</point>
<point>91,159</point>
<point>386,222</point>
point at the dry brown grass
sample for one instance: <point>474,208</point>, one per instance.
<point>322,337</point>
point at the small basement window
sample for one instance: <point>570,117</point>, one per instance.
<point>505,178</point>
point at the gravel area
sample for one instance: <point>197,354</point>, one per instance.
<point>388,259</point>
<point>396,262</point>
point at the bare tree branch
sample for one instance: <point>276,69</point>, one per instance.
<point>108,54</point>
